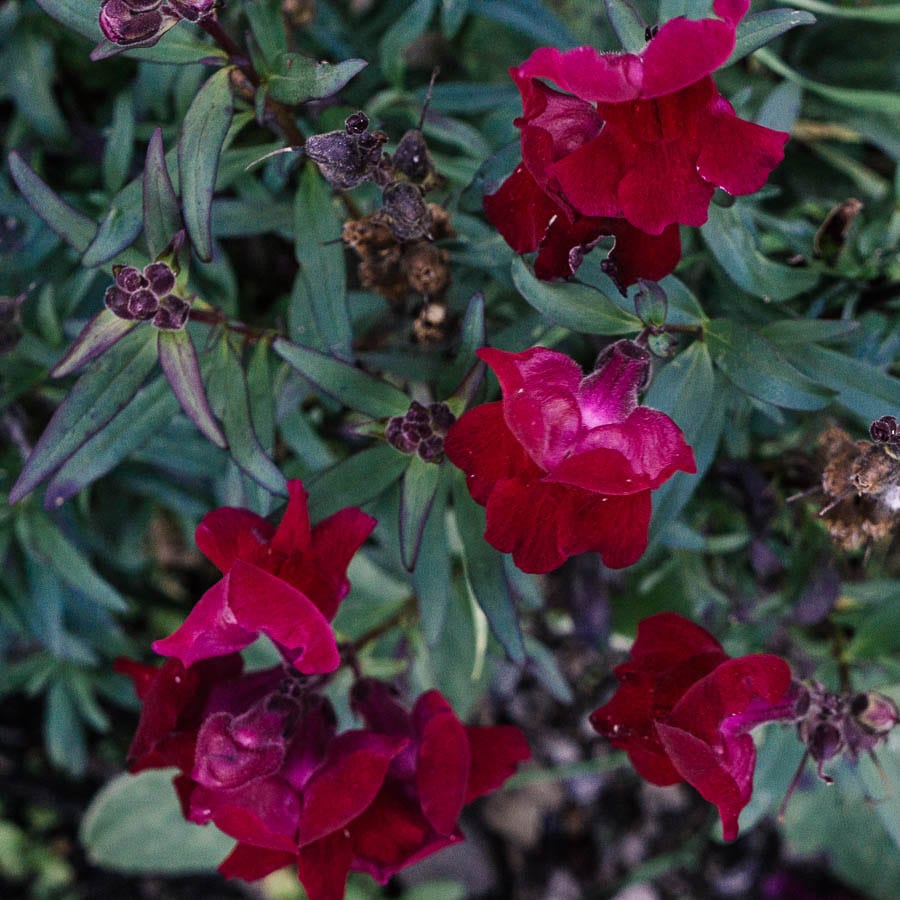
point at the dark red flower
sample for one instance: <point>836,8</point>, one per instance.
<point>286,582</point>
<point>566,463</point>
<point>641,137</point>
<point>684,709</point>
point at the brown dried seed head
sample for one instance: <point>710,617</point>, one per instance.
<point>427,269</point>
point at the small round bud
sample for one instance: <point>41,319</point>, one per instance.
<point>884,430</point>
<point>874,712</point>
<point>172,314</point>
<point>116,301</point>
<point>129,278</point>
<point>441,417</point>
<point>143,304</point>
<point>126,28</point>
<point>160,277</point>
<point>356,123</point>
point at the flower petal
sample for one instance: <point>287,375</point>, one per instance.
<point>609,394</point>
<point>637,254</point>
<point>229,532</point>
<point>521,211</point>
<point>252,863</point>
<point>293,532</point>
<point>495,752</point>
<point>323,866</point>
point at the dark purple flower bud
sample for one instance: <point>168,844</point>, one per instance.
<point>172,314</point>
<point>394,434</point>
<point>885,430</point>
<point>431,449</point>
<point>126,28</point>
<point>128,278</point>
<point>192,10</point>
<point>416,413</point>
<point>160,277</point>
<point>356,123</point>
<point>138,6</point>
<point>824,742</point>
<point>875,713</point>
<point>441,417</point>
<point>143,304</point>
<point>415,431</point>
<point>116,301</point>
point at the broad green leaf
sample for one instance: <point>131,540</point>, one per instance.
<point>98,396</point>
<point>453,14</point>
<point>394,42</point>
<point>628,24</point>
<point>417,492</point>
<point>866,391</point>
<point>806,331</point>
<point>76,15</point>
<point>178,359</point>
<point>355,480</point>
<point>104,330</point>
<point>572,305</point>
<point>200,144</point>
<point>63,731</point>
<point>119,229</point>
<point>755,366</point>
<point>47,546</point>
<point>432,574</point>
<point>322,277</point>
<point>298,78</point>
<point>685,390</point>
<point>119,142</point>
<point>351,386</point>
<point>151,410</point>
<point>228,390</point>
<point>733,245</point>
<point>484,571</point>
<point>74,227</point>
<point>135,824</point>
<point>758,29</point>
<point>883,102</point>
<point>888,13</point>
<point>162,216</point>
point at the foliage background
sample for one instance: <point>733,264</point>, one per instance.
<point>793,342</point>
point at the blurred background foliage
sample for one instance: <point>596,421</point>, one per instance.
<point>799,334</point>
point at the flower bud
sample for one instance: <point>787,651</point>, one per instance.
<point>143,304</point>
<point>128,278</point>
<point>172,314</point>
<point>129,24</point>
<point>160,277</point>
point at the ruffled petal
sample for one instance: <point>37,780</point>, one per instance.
<point>481,444</point>
<point>495,752</point>
<point>565,244</point>
<point>229,532</point>
<point>609,394</point>
<point>263,602</point>
<point>293,532</point>
<point>737,155</point>
<point>589,177</point>
<point>637,254</point>
<point>521,211</point>
<point>252,863</point>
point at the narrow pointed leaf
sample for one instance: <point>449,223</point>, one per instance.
<point>162,217</point>
<point>298,78</point>
<point>484,571</point>
<point>356,480</point>
<point>178,359</point>
<point>420,483</point>
<point>74,227</point>
<point>432,573</point>
<point>353,387</point>
<point>119,143</point>
<point>228,386</point>
<point>758,29</point>
<point>151,410</point>
<point>199,148</point>
<point>627,23</point>
<point>118,230</point>
<point>97,397</point>
<point>104,330</point>
<point>472,336</point>
<point>573,305</point>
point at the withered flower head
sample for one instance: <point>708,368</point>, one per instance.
<point>347,158</point>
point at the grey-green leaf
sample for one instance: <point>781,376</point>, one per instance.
<point>627,23</point>
<point>200,145</point>
<point>298,78</point>
<point>162,217</point>
<point>104,330</point>
<point>417,491</point>
<point>759,28</point>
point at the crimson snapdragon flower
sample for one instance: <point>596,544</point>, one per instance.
<point>684,708</point>
<point>260,756</point>
<point>285,582</point>
<point>566,463</point>
<point>629,145</point>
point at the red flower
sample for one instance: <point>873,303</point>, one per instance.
<point>566,463</point>
<point>286,582</point>
<point>260,756</point>
<point>684,709</point>
<point>641,137</point>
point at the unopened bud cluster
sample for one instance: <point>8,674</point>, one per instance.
<point>141,23</point>
<point>147,296</point>
<point>421,430</point>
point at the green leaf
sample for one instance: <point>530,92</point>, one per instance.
<point>394,42</point>
<point>104,330</point>
<point>572,305</point>
<point>351,386</point>
<point>321,289</point>
<point>417,491</point>
<point>758,29</point>
<point>74,227</point>
<point>262,395</point>
<point>733,245</point>
<point>883,102</point>
<point>200,145</point>
<point>484,571</point>
<point>432,573</point>
<point>47,546</point>
<point>63,731</point>
<point>29,75</point>
<point>177,46</point>
<point>76,15</point>
<point>119,229</point>
<point>267,26</point>
<point>472,336</point>
<point>298,78</point>
<point>878,635</point>
<point>98,396</point>
<point>863,389</point>
<point>162,216</point>
<point>135,824</point>
<point>889,13</point>
<point>119,141</point>
<point>355,480</point>
<point>453,14</point>
<point>151,410</point>
<point>628,24</point>
<point>228,388</point>
<point>178,359</point>
<point>755,366</point>
<point>531,17</point>
<point>806,331</point>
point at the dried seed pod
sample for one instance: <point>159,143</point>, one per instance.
<point>347,158</point>
<point>405,211</point>
<point>426,269</point>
